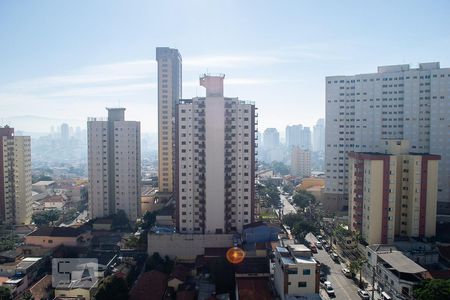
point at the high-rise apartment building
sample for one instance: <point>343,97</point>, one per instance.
<point>215,163</point>
<point>271,138</point>
<point>393,193</point>
<point>294,135</point>
<point>15,178</point>
<point>300,162</point>
<point>319,136</point>
<point>65,132</point>
<point>169,92</point>
<point>114,164</point>
<point>297,135</point>
<point>397,102</point>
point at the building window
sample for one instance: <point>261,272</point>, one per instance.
<point>302,284</point>
<point>292,271</point>
<point>306,272</point>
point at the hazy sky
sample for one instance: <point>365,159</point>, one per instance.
<point>71,59</point>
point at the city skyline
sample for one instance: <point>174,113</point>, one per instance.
<point>94,68</point>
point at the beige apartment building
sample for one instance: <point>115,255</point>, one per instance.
<point>15,178</point>
<point>215,163</point>
<point>169,92</point>
<point>114,165</point>
<point>300,162</point>
<point>393,193</point>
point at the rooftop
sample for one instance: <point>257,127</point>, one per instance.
<point>254,288</point>
<point>58,231</point>
<point>150,286</point>
<point>401,263</point>
<point>43,183</point>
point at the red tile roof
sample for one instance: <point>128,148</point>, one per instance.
<point>179,272</point>
<point>186,295</point>
<point>150,286</point>
<point>254,289</point>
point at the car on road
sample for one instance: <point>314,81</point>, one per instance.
<point>335,257</point>
<point>319,237</point>
<point>327,247</point>
<point>313,248</point>
<point>319,245</point>
<point>363,294</point>
<point>329,289</point>
<point>346,272</point>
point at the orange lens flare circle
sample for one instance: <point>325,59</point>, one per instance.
<point>235,255</point>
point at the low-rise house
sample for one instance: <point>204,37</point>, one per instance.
<point>150,286</point>
<point>22,273</point>
<point>54,202</point>
<point>52,237</point>
<point>43,186</point>
<point>102,224</point>
<point>395,273</point>
<point>296,272</point>
<point>178,276</point>
<point>77,290</point>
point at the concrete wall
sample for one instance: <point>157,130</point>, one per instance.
<point>186,246</point>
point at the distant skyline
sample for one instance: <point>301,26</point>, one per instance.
<point>69,60</point>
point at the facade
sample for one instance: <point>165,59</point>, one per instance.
<point>300,162</point>
<point>169,92</point>
<point>319,136</point>
<point>64,132</point>
<point>397,102</point>
<point>395,274</point>
<point>15,178</point>
<point>52,237</point>
<point>393,193</point>
<point>296,272</point>
<point>271,138</point>
<point>114,164</point>
<point>215,162</point>
<point>297,135</point>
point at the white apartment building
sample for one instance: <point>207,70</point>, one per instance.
<point>296,272</point>
<point>169,92</point>
<point>319,136</point>
<point>297,135</point>
<point>114,164</point>
<point>300,162</point>
<point>15,178</point>
<point>397,102</point>
<point>271,138</point>
<point>215,163</point>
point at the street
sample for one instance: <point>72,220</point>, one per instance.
<point>287,207</point>
<point>344,287</point>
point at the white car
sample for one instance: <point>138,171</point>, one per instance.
<point>346,272</point>
<point>329,288</point>
<point>364,294</point>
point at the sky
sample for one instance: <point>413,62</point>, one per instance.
<point>65,61</point>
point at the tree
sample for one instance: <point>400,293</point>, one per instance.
<point>432,289</point>
<point>5,293</point>
<point>45,217</point>
<point>120,220</point>
<point>288,187</point>
<point>149,220</point>
<point>303,199</point>
<point>279,167</point>
<point>27,296</point>
<point>356,267</point>
<point>300,226</point>
<point>112,288</point>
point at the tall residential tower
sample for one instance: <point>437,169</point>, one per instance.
<point>397,102</point>
<point>215,162</point>
<point>114,164</point>
<point>15,178</point>
<point>169,92</point>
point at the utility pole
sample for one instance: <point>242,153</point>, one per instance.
<point>373,283</point>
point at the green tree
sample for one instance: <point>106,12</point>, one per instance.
<point>45,217</point>
<point>288,187</point>
<point>432,289</point>
<point>27,296</point>
<point>300,226</point>
<point>120,220</point>
<point>356,267</point>
<point>149,219</point>
<point>303,199</point>
<point>112,288</point>
<point>279,167</point>
<point>5,293</point>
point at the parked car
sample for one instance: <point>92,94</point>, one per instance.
<point>327,248</point>
<point>319,237</point>
<point>335,257</point>
<point>323,278</point>
<point>346,272</point>
<point>313,248</point>
<point>319,245</point>
<point>329,289</point>
<point>364,294</point>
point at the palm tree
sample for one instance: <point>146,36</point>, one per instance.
<point>356,266</point>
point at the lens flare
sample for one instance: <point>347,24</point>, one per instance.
<point>235,255</point>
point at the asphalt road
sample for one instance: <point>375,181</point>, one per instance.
<point>344,288</point>
<point>287,207</point>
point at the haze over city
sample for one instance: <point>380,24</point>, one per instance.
<point>71,59</point>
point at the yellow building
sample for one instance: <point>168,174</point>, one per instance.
<point>393,193</point>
